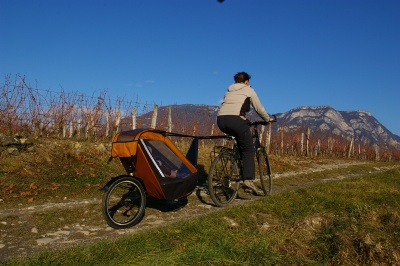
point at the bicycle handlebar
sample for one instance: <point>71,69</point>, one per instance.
<point>257,123</point>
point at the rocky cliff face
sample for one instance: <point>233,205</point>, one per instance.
<point>358,124</point>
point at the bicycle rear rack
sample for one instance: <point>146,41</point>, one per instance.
<point>218,150</point>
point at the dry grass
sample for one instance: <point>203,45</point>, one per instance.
<point>55,171</point>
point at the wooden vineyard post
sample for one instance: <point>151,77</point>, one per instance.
<point>71,129</point>
<point>117,120</point>
<point>64,130</point>
<point>377,157</point>
<point>133,118</point>
<point>351,147</point>
<point>268,144</point>
<point>92,126</point>
<point>87,130</point>
<point>307,141</point>
<point>154,117</point>
<point>107,123</point>
<point>170,118</point>
<point>78,128</point>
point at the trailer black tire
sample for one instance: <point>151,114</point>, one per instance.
<point>124,203</point>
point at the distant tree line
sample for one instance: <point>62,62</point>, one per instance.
<point>37,113</point>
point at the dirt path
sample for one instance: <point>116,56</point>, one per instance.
<point>20,237</point>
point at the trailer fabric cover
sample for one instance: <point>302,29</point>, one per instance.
<point>133,146</point>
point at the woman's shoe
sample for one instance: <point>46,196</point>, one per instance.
<point>250,185</point>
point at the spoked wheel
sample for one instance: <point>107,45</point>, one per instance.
<point>124,203</point>
<point>265,173</point>
<point>223,180</point>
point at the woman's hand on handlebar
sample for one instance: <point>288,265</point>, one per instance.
<point>272,119</point>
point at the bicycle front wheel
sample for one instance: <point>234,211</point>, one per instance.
<point>265,173</point>
<point>223,180</point>
<point>124,203</point>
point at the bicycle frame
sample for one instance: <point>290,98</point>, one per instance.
<point>257,142</point>
<point>234,150</point>
<point>223,182</point>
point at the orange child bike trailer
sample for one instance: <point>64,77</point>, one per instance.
<point>150,156</point>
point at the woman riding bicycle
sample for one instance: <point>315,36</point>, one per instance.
<point>231,119</point>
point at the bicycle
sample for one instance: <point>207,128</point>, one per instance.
<point>225,172</point>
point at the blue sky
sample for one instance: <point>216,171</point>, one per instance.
<point>341,53</point>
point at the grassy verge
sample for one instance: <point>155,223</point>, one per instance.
<point>353,221</point>
<point>55,173</point>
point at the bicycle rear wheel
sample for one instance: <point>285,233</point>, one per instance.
<point>124,203</point>
<point>265,173</point>
<point>223,180</point>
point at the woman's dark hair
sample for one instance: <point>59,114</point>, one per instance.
<point>241,77</point>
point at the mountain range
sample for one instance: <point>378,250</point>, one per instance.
<point>358,124</point>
